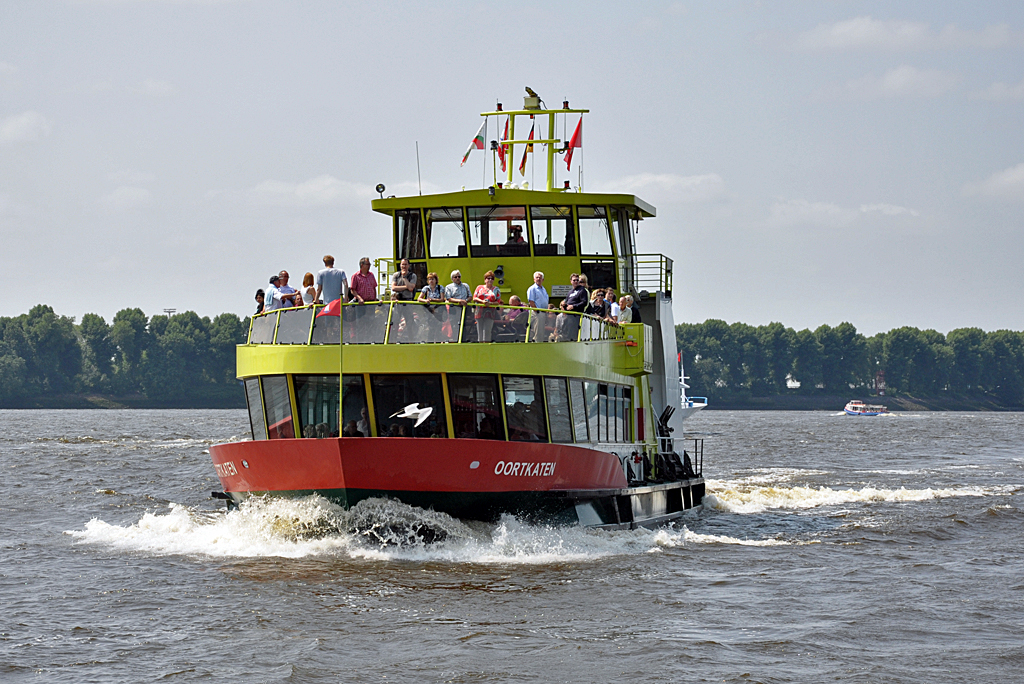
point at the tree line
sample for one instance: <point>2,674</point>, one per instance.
<point>177,360</point>
<point>728,361</point>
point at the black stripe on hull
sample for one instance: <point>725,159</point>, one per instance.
<point>647,506</point>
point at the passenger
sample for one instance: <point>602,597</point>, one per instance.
<point>514,320</point>
<point>404,430</point>
<point>636,309</point>
<point>260,298</point>
<point>403,289</point>
<point>457,292</point>
<point>515,236</point>
<point>363,424</point>
<point>609,296</point>
<point>331,283</point>
<point>597,305</point>
<point>488,299</point>
<point>537,295</point>
<point>308,291</point>
<point>432,293</point>
<point>351,430</point>
<point>276,299</point>
<point>288,293</point>
<point>567,326</point>
<point>364,290</point>
<point>625,313</point>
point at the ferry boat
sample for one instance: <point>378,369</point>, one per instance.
<point>859,408</point>
<point>688,405</point>
<point>559,417</point>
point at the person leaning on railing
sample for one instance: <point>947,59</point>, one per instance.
<point>568,324</point>
<point>537,296</point>
<point>363,290</point>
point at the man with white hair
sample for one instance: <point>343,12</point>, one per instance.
<point>457,292</point>
<point>537,295</point>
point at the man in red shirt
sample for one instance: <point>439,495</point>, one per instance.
<point>363,289</point>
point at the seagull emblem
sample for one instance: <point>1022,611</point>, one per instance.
<point>414,411</point>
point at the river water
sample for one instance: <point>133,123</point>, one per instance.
<point>830,548</point>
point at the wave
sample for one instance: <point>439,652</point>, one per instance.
<point>375,529</point>
<point>733,497</point>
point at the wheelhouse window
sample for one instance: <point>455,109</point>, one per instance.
<point>398,402</point>
<point>410,237</point>
<point>445,232</point>
<point>524,409</point>
<point>476,407</point>
<point>553,231</point>
<point>255,403</point>
<point>595,239</point>
<point>498,230</point>
<point>317,400</point>
<point>558,409</point>
<point>278,407</point>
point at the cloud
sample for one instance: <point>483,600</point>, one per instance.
<point>24,127</point>
<point>155,88</point>
<point>323,190</point>
<point>1001,92</point>
<point>800,212</point>
<point>866,33</point>
<point>126,198</point>
<point>901,81</point>
<point>1006,184</point>
<point>130,177</point>
<point>670,187</point>
<point>888,210</point>
<point>94,87</point>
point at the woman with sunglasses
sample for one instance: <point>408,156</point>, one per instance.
<point>489,297</point>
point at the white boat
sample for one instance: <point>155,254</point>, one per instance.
<point>688,405</point>
<point>859,408</point>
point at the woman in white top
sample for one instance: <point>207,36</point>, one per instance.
<point>308,290</point>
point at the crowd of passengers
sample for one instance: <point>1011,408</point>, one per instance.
<point>332,284</point>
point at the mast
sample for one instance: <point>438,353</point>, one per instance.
<point>532,108</point>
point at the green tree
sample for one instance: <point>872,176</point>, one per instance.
<point>131,338</point>
<point>1003,374</point>
<point>807,361</point>
<point>54,357</point>
<point>100,349</point>
<point>967,346</point>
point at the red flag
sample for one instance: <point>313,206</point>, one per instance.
<point>528,150</point>
<point>575,141</point>
<point>501,148</point>
<point>332,309</point>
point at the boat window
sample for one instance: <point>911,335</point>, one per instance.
<point>579,411</point>
<point>622,230</point>
<point>524,409</point>
<point>412,323</point>
<point>278,406</point>
<point>594,236</point>
<point>616,406</point>
<point>604,434</point>
<point>497,231</point>
<point>476,408</point>
<point>354,408</point>
<point>627,415</point>
<point>558,409</point>
<point>294,326</point>
<point>445,232</point>
<point>255,402</point>
<point>599,273</point>
<point>553,231</point>
<point>398,401</point>
<point>410,237</point>
<point>590,396</point>
<point>263,329</point>
<point>317,400</point>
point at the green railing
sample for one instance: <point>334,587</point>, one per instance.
<point>394,322</point>
<point>654,273</point>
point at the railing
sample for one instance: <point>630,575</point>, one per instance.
<point>394,322</point>
<point>654,273</point>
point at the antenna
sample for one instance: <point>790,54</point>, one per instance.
<point>419,180</point>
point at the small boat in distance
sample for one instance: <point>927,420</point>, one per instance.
<point>859,408</point>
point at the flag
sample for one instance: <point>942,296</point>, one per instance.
<point>332,309</point>
<point>478,141</point>
<point>575,141</point>
<point>528,150</point>
<point>501,148</point>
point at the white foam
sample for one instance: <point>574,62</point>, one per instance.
<point>375,529</point>
<point>759,499</point>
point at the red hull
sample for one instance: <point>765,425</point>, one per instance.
<point>400,464</point>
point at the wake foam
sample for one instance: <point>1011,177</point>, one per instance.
<point>739,497</point>
<point>375,529</point>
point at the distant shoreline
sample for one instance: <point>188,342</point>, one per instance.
<point>823,402</point>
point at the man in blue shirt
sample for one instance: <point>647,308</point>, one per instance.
<point>331,283</point>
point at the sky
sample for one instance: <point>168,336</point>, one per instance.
<point>811,162</point>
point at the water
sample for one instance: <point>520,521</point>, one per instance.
<point>831,548</point>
